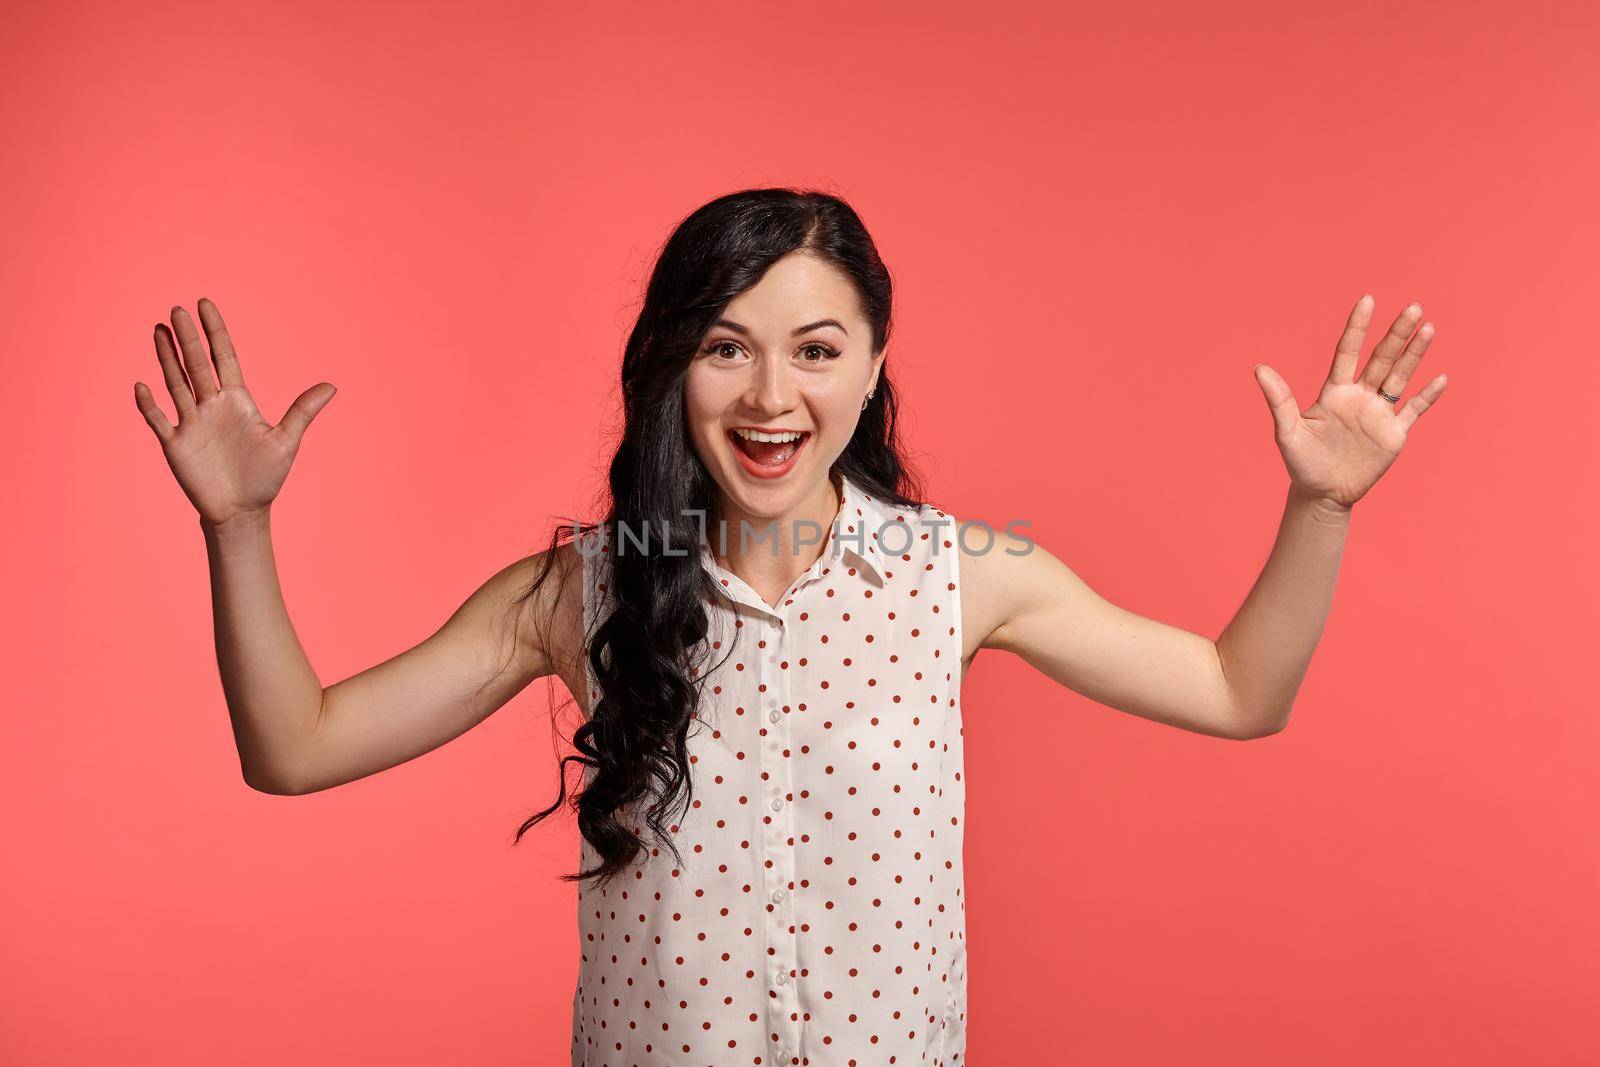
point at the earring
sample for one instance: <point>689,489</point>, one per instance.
<point>869,396</point>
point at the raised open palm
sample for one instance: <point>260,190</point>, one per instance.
<point>1341,445</point>
<point>229,460</point>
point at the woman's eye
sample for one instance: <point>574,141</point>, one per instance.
<point>815,352</point>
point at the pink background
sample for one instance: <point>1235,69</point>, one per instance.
<point>1098,219</point>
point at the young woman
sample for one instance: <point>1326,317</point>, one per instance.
<point>766,634</point>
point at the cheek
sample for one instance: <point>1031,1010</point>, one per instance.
<point>837,405</point>
<point>700,400</point>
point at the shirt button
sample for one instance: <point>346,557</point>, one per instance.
<point>783,976</point>
<point>777,803</point>
<point>772,716</point>
<point>777,894</point>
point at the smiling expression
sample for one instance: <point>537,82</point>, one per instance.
<point>774,392</point>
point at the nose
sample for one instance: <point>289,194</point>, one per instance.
<point>771,390</point>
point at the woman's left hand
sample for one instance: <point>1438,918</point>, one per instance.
<point>1341,445</point>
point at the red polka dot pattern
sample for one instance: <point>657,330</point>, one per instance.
<point>819,916</point>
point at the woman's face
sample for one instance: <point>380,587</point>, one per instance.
<point>791,355</point>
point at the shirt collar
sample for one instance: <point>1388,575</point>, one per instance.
<point>860,519</point>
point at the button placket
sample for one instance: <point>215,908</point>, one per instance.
<point>778,830</point>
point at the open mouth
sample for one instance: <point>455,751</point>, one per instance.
<point>768,454</point>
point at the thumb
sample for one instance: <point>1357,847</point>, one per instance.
<point>303,410</point>
<point>1280,399</point>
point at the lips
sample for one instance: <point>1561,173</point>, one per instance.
<point>768,459</point>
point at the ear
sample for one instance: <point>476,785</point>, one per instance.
<point>877,369</point>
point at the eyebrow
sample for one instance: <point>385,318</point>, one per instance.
<point>807,328</point>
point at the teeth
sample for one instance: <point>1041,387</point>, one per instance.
<point>757,435</point>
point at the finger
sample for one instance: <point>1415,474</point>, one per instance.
<point>228,371</point>
<point>1347,353</point>
<point>1395,382</point>
<point>1390,347</point>
<point>172,373</point>
<point>303,410</point>
<point>195,360</point>
<point>1424,400</point>
<point>1280,399</point>
<point>152,412</point>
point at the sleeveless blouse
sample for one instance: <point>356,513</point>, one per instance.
<point>818,917</point>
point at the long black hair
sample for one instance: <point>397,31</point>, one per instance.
<point>647,654</point>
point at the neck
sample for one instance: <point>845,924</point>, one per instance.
<point>776,549</point>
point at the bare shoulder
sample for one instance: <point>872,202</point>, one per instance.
<point>534,607</point>
<point>556,610</point>
<point>1004,572</point>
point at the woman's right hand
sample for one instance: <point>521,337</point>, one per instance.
<point>228,460</point>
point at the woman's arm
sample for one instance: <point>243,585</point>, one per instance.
<point>485,654</point>
<point>1240,686</point>
<point>1243,684</point>
<point>292,735</point>
<point>1033,605</point>
<point>271,690</point>
<point>1267,648</point>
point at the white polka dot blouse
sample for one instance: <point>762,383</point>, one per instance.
<point>818,917</point>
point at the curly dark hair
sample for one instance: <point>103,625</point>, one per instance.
<point>648,653</point>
